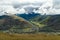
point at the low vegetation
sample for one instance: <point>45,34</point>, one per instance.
<point>41,36</point>
<point>38,24</point>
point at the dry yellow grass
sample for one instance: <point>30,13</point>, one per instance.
<point>5,36</point>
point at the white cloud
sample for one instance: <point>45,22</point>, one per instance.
<point>22,10</point>
<point>10,10</point>
<point>18,6</point>
<point>56,4</point>
<point>30,1</point>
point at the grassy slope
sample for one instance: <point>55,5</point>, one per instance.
<point>48,22</point>
<point>15,24</point>
<point>5,36</point>
<point>35,21</point>
<point>38,24</point>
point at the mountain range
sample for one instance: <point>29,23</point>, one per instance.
<point>30,23</point>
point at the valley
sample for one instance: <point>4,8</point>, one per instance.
<point>39,27</point>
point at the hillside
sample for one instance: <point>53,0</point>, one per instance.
<point>51,23</point>
<point>15,24</point>
<point>39,23</point>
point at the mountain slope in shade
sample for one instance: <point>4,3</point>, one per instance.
<point>28,16</point>
<point>15,24</point>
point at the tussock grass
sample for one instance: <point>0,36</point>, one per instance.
<point>6,36</point>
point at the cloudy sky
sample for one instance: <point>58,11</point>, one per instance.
<point>27,6</point>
